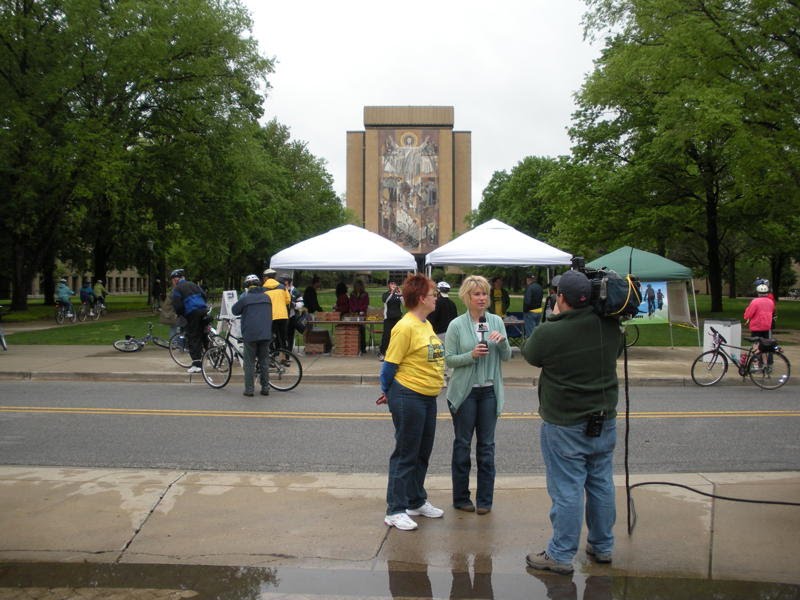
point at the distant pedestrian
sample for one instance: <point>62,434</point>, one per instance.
<point>392,313</point>
<point>444,312</point>
<point>255,308</point>
<point>158,293</point>
<point>532,304</point>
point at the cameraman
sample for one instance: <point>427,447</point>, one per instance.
<point>577,351</point>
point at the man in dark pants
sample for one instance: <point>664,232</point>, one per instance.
<point>577,350</point>
<point>255,307</point>
<point>189,301</point>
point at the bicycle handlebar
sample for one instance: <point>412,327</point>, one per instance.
<point>717,334</point>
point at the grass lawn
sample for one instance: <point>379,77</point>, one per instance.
<point>109,329</point>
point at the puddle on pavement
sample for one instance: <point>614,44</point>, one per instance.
<point>89,580</point>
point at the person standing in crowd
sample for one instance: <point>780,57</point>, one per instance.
<point>358,305</point>
<point>550,301</point>
<point>189,301</point>
<point>295,304</point>
<point>158,292</point>
<point>411,378</point>
<point>310,296</point>
<point>500,301</point>
<point>532,304</point>
<point>759,313</point>
<point>280,298</point>
<point>342,305</point>
<point>255,308</point>
<point>87,296</point>
<point>475,346</point>
<point>64,294</point>
<point>444,312</point>
<point>392,312</point>
<point>577,351</point>
<point>100,292</point>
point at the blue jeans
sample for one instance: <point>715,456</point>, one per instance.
<point>576,465</point>
<point>531,319</point>
<point>478,413</point>
<point>414,418</point>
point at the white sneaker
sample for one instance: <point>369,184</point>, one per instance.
<point>193,370</point>
<point>426,510</point>
<point>401,521</point>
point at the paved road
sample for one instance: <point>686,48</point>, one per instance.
<point>339,429</point>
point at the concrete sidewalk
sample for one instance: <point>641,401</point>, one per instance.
<point>335,521</point>
<point>646,366</point>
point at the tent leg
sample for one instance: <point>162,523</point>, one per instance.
<point>696,318</point>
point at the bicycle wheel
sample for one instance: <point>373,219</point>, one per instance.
<point>773,374</point>
<point>285,370</point>
<point>631,335</point>
<point>3,341</point>
<point>160,342</point>
<point>95,314</point>
<point>60,314</point>
<point>128,345</point>
<point>179,350</point>
<point>74,317</point>
<point>216,367</point>
<point>83,312</point>
<point>709,368</point>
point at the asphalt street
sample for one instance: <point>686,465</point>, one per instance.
<point>338,428</point>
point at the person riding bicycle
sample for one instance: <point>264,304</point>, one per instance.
<point>255,308</point>
<point>63,294</point>
<point>189,301</point>
<point>87,296</point>
<point>100,292</point>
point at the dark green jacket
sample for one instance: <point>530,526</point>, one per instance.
<point>577,351</point>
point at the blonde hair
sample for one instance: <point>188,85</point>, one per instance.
<point>471,283</point>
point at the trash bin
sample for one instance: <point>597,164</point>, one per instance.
<point>731,330</point>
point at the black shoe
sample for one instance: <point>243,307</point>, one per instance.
<point>469,507</point>
<point>484,510</point>
<point>265,392</point>
<point>248,394</point>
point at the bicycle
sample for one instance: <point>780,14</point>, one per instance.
<point>87,312</point>
<point>631,334</point>
<point>764,362</point>
<point>285,369</point>
<point>132,344</point>
<point>179,348</point>
<point>65,313</point>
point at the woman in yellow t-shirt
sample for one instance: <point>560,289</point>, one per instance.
<point>412,375</point>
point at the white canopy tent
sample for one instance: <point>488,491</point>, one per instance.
<point>345,248</point>
<point>495,243</point>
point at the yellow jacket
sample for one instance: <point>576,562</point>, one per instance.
<point>280,298</point>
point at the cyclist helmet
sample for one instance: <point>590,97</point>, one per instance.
<point>251,280</point>
<point>176,273</point>
<point>443,287</point>
<point>762,289</point>
<point>62,280</point>
<point>269,272</point>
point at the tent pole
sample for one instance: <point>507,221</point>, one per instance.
<point>696,318</point>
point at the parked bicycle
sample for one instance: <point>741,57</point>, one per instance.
<point>631,333</point>
<point>285,369</point>
<point>763,362</point>
<point>132,344</point>
<point>65,313</point>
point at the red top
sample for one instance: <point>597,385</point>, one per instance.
<point>759,312</point>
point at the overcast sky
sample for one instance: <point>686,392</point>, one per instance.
<point>510,69</point>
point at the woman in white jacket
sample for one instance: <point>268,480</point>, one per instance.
<point>475,345</point>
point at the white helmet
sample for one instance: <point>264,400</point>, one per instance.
<point>443,286</point>
<point>762,288</point>
<point>252,279</point>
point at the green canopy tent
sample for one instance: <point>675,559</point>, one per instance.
<point>647,266</point>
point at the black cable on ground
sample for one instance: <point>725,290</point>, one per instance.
<point>628,487</point>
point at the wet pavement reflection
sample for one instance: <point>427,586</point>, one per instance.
<point>469,577</point>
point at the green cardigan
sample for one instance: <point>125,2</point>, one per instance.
<point>467,372</point>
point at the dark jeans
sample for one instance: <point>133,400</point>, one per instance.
<point>280,333</point>
<point>478,414</point>
<point>388,324</point>
<point>414,418</point>
<point>195,326</point>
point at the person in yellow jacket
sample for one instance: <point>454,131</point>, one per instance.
<point>280,298</point>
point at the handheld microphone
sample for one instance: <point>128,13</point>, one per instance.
<point>482,329</point>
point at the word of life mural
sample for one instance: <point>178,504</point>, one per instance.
<point>409,189</point>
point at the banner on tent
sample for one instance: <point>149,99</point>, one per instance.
<point>654,308</point>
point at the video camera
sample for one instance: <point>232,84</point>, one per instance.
<point>611,295</point>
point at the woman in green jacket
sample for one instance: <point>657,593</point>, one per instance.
<point>475,344</point>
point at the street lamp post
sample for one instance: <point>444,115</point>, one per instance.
<point>149,272</point>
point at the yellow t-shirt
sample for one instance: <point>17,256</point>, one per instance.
<point>419,354</point>
<point>497,301</point>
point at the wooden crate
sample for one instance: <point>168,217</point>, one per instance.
<point>314,348</point>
